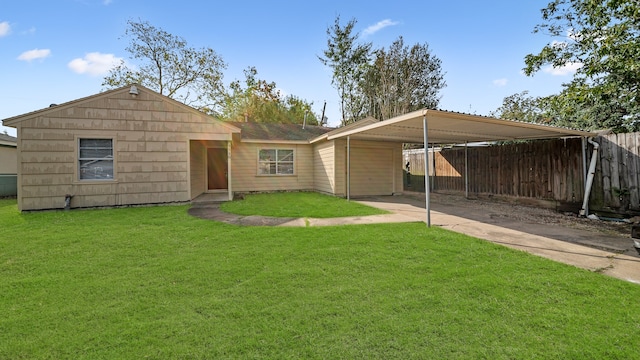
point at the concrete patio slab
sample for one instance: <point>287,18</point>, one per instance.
<point>588,250</point>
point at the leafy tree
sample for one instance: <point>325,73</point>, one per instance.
<point>349,60</point>
<point>261,101</point>
<point>581,105</point>
<point>402,79</point>
<point>169,66</point>
<point>522,107</point>
<point>603,38</point>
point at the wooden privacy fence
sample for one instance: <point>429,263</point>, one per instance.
<point>617,184</point>
<point>550,170</point>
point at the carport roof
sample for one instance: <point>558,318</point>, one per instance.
<point>445,127</point>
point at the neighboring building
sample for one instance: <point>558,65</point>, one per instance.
<point>133,146</point>
<point>8,165</point>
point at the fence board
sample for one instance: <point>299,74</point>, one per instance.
<point>529,169</point>
<point>605,170</point>
<point>546,169</point>
<point>632,156</point>
<point>615,170</point>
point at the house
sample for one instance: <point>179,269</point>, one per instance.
<point>375,166</point>
<point>8,165</point>
<point>133,146</point>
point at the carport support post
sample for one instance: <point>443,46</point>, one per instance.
<point>466,170</point>
<point>229,179</point>
<point>426,168</point>
<point>348,168</point>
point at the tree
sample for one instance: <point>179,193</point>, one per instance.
<point>402,79</point>
<point>169,66</point>
<point>521,107</point>
<point>261,101</point>
<point>349,60</point>
<point>603,41</point>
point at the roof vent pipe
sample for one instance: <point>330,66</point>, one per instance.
<point>304,122</point>
<point>592,170</point>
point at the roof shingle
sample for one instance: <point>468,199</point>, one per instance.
<point>277,131</point>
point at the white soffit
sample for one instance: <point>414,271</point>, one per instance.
<point>446,127</point>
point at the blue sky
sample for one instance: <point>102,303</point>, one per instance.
<point>54,51</point>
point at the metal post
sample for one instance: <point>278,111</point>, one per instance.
<point>427,192</point>
<point>348,167</point>
<point>229,179</point>
<point>466,170</point>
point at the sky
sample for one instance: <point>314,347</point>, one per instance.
<point>55,51</point>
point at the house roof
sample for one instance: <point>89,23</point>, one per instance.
<point>354,125</point>
<point>446,127</point>
<point>279,132</point>
<point>8,140</point>
<point>13,121</point>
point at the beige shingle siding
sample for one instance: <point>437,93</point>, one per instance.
<point>244,169</point>
<point>340,156</point>
<point>375,168</point>
<point>372,173</point>
<point>324,167</point>
<point>151,151</point>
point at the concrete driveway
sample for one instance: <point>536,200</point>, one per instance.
<point>607,254</point>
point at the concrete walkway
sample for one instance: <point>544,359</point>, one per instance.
<point>610,255</point>
<point>587,250</point>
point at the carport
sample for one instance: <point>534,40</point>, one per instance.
<point>437,127</point>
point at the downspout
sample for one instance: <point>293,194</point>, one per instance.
<point>583,143</point>
<point>592,170</point>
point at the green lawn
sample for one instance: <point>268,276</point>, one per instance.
<point>157,283</point>
<point>298,204</point>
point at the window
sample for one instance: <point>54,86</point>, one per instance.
<point>95,159</point>
<point>275,162</point>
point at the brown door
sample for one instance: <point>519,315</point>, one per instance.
<point>217,168</point>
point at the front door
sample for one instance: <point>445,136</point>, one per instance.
<point>217,168</point>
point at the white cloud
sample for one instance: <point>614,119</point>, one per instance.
<point>5,28</point>
<point>568,68</point>
<point>500,82</point>
<point>378,26</point>
<point>94,63</point>
<point>35,54</point>
<point>31,31</point>
<point>107,2</point>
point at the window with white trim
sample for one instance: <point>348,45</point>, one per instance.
<point>275,162</point>
<point>95,159</point>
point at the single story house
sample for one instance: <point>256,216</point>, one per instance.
<point>132,146</point>
<point>8,165</point>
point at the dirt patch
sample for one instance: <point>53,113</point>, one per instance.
<point>534,215</point>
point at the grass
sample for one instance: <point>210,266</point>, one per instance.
<point>298,204</point>
<point>156,283</point>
